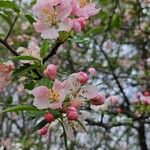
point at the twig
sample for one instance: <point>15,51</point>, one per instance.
<point>9,32</point>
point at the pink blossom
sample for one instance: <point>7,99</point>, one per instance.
<point>92,71</point>
<point>72,113</point>
<point>78,24</point>
<point>77,92</point>
<point>51,71</point>
<point>52,17</point>
<point>32,50</point>
<point>82,8</point>
<point>49,98</point>
<point>113,100</point>
<point>98,100</point>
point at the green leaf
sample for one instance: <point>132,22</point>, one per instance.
<point>45,82</point>
<point>80,123</point>
<point>30,19</point>
<point>9,4</point>
<point>34,113</point>
<point>6,18</point>
<point>24,58</point>
<point>22,70</point>
<point>44,48</point>
<point>63,36</point>
<point>39,125</point>
<point>29,85</point>
<point>19,108</point>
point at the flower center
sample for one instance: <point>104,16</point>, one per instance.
<point>53,95</point>
<point>50,16</point>
<point>83,3</point>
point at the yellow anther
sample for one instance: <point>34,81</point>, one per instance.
<point>83,3</point>
<point>53,95</point>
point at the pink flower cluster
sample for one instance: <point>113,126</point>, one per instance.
<point>62,15</point>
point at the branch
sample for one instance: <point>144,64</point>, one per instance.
<point>9,32</point>
<point>9,47</point>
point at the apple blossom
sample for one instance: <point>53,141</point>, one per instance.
<point>84,8</point>
<point>51,71</point>
<point>52,17</point>
<point>49,98</point>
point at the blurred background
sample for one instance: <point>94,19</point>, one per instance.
<point>117,43</point>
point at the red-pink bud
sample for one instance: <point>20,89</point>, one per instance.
<point>82,77</point>
<point>51,71</point>
<point>78,24</point>
<point>92,71</point>
<point>114,100</point>
<point>118,110</point>
<point>98,100</point>
<point>72,113</point>
<point>43,131</point>
<point>146,93</point>
<point>49,117</point>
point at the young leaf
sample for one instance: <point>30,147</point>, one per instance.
<point>63,35</point>
<point>34,113</point>
<point>44,48</point>
<point>9,4</point>
<point>24,58</point>
<point>45,82</point>
<point>6,18</point>
<point>30,19</point>
<point>19,108</point>
<point>39,125</point>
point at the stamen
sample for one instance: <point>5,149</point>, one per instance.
<point>53,95</point>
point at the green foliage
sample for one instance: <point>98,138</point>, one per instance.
<point>44,82</point>
<point>30,19</point>
<point>10,5</point>
<point>19,108</point>
<point>44,48</point>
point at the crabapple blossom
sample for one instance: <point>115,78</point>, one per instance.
<point>32,50</point>
<point>84,8</point>
<point>52,17</point>
<point>51,71</point>
<point>77,92</point>
<point>49,98</point>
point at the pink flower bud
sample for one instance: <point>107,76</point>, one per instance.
<point>78,24</point>
<point>72,113</point>
<point>51,71</point>
<point>49,117</point>
<point>114,100</point>
<point>43,131</point>
<point>98,100</point>
<point>92,71</point>
<point>82,77</point>
<point>146,93</point>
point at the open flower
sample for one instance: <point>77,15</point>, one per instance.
<point>32,50</point>
<point>49,98</point>
<point>84,8</point>
<point>78,93</point>
<point>52,17</point>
